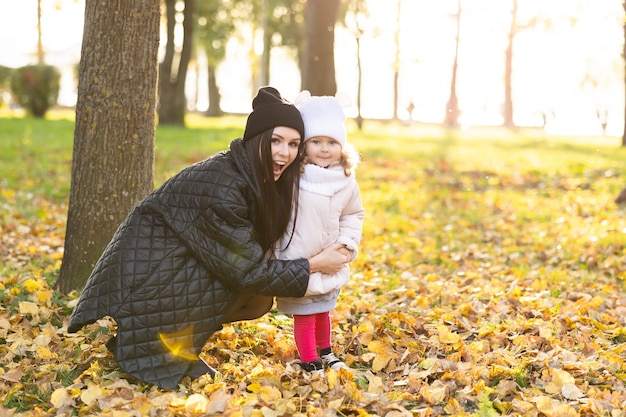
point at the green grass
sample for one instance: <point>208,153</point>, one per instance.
<point>36,154</point>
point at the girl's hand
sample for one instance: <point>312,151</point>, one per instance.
<point>330,260</point>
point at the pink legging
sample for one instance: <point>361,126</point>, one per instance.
<point>311,331</point>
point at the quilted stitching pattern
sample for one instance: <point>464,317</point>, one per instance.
<point>177,262</point>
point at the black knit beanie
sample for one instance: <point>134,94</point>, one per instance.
<point>269,110</point>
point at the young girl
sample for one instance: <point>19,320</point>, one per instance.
<point>329,212</point>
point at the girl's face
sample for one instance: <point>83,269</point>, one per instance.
<point>285,144</point>
<point>323,151</point>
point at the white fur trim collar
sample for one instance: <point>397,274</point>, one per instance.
<point>324,181</point>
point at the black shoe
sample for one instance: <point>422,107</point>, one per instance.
<point>331,361</point>
<point>199,368</point>
<point>111,344</point>
<point>314,367</point>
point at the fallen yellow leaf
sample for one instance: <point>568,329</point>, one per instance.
<point>435,393</point>
<point>218,402</point>
<point>27,307</point>
<point>559,378</point>
<point>384,354</point>
<point>44,354</point>
<point>446,336</point>
<point>571,392</point>
<point>91,394</point>
<point>32,285</point>
<point>197,404</point>
<point>553,408</point>
<point>60,397</point>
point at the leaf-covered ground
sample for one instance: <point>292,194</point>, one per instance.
<point>477,292</point>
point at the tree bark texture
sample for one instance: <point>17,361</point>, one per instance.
<point>318,75</point>
<point>113,151</point>
<point>173,69</point>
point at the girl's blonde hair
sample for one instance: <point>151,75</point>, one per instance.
<point>349,159</point>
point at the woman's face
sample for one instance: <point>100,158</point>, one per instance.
<point>285,145</point>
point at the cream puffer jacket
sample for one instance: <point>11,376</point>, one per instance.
<point>329,211</point>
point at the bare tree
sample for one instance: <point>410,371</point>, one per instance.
<point>508,70</point>
<point>452,106</point>
<point>278,22</point>
<point>624,55</point>
<point>40,52</point>
<point>173,69</point>
<point>356,11</point>
<point>396,63</point>
<point>319,57</point>
<point>215,26</point>
<point>115,128</point>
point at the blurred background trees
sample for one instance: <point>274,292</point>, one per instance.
<point>36,88</point>
<point>329,45</point>
<point>216,24</point>
<point>175,63</point>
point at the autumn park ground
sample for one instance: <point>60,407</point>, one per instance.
<point>490,282</point>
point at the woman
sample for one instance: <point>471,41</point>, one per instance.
<point>198,251</point>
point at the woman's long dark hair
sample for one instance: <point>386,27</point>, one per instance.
<point>278,199</point>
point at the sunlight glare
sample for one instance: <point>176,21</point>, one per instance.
<point>180,343</point>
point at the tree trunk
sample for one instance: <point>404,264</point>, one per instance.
<point>508,72</point>
<point>115,128</point>
<point>358,7</point>
<point>452,106</point>
<point>396,69</point>
<point>359,82</point>
<point>40,52</point>
<point>318,76</point>
<point>215,108</point>
<point>173,69</point>
<point>264,62</point>
<point>624,56</point>
<point>621,198</point>
<point>264,74</point>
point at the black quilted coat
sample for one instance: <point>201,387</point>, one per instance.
<point>177,262</point>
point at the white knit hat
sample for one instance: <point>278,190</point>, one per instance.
<point>323,115</point>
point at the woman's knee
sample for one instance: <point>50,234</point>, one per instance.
<point>249,308</point>
<point>260,306</point>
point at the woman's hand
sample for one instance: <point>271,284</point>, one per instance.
<point>330,260</point>
<point>347,252</point>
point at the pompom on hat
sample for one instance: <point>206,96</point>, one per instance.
<point>269,110</point>
<point>323,115</point>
